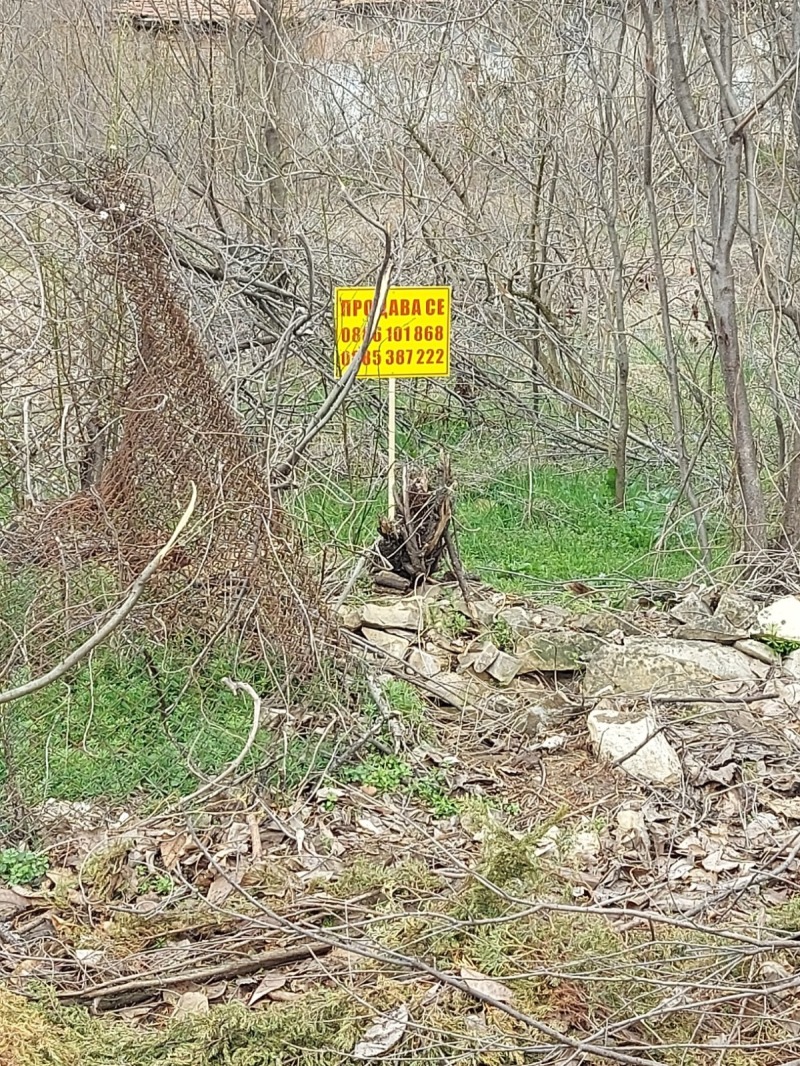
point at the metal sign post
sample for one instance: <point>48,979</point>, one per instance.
<point>412,340</point>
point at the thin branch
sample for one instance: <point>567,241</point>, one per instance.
<point>113,622</point>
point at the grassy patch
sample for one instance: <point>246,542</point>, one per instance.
<point>526,527</point>
<point>134,720</point>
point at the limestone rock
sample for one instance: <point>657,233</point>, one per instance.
<point>780,619</point>
<point>543,709</point>
<point>392,643</point>
<point>350,617</point>
<point>556,651</point>
<point>504,668</point>
<point>403,615</point>
<point>517,619</point>
<point>424,663</point>
<point>615,732</point>
<point>756,650</point>
<point>737,609</point>
<point>462,691</point>
<point>712,628</point>
<point>664,667</point>
<point>485,657</point>
<point>691,610</point>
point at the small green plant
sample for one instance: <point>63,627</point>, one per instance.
<point>391,774</point>
<point>781,645</point>
<point>18,866</point>
<point>160,884</point>
<point>502,635</point>
<point>405,701</point>
<point>432,790</point>
<point>384,773</point>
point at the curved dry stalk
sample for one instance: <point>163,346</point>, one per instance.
<point>232,767</point>
<point>116,619</point>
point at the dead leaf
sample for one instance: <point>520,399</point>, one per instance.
<point>383,1034</point>
<point>190,1003</point>
<point>283,995</point>
<point>486,986</point>
<point>271,983</point>
<point>12,903</point>
<point>219,889</point>
<point>715,863</point>
<point>217,990</point>
<point>173,849</point>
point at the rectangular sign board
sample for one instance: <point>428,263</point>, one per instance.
<point>412,339</point>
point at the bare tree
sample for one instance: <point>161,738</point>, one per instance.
<point>720,153</point>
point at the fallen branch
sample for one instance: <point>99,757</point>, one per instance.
<point>269,960</point>
<point>116,619</point>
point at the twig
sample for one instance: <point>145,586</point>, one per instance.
<point>267,961</point>
<point>113,622</point>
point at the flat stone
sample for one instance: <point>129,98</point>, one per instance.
<point>598,622</point>
<point>462,691</point>
<point>422,662</point>
<point>665,667</point>
<point>615,732</point>
<point>737,609</point>
<point>485,612</point>
<point>484,659</point>
<point>542,710</point>
<point>403,615</point>
<point>391,643</point>
<point>756,650</point>
<point>504,668</point>
<point>780,619</point>
<point>350,617</point>
<point>517,619</point>
<point>555,651</point>
<point>791,665</point>
<point>691,610</point>
<point>712,628</point>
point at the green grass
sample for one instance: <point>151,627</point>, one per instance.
<point>524,528</point>
<point>131,721</point>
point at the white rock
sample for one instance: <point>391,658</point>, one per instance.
<point>780,619</point>
<point>406,615</point>
<point>616,732</point>
<point>391,643</point>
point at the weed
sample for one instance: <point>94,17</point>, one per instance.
<point>502,634</point>
<point>18,866</point>
<point>384,773</point>
<point>405,701</point>
<point>781,645</point>
<point>519,529</point>
<point>391,774</point>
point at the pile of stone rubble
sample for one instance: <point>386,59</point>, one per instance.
<point>707,691</point>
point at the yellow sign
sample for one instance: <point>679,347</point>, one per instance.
<point>412,339</point>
